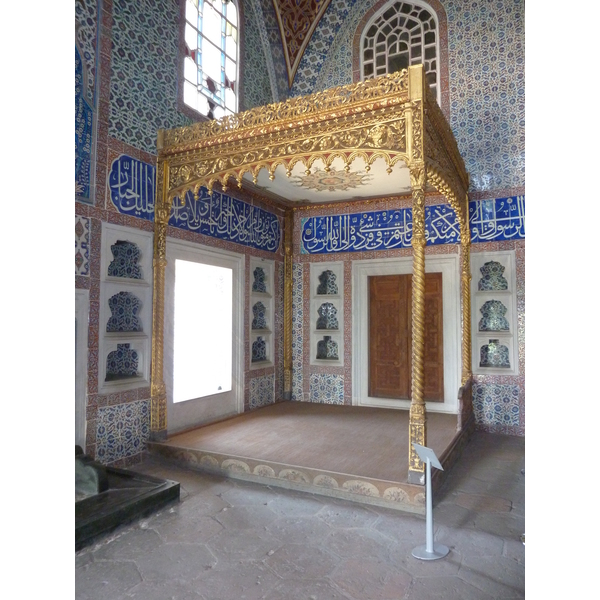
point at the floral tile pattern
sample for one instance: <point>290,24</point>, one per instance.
<point>258,60</point>
<point>143,84</point>
<point>82,245</point>
<point>125,263</point>
<point>317,53</point>
<point>496,404</point>
<point>486,48</point>
<point>122,430</point>
<point>84,122</point>
<point>122,363</point>
<point>262,391</point>
<point>85,36</point>
<point>279,286</point>
<point>124,307</point>
<point>327,389</point>
<point>275,47</point>
<point>297,327</point>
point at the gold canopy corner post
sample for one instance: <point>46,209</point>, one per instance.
<point>162,209</point>
<point>288,234</point>
<point>465,254</point>
<point>418,180</point>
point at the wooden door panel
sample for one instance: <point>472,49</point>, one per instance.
<point>390,337</point>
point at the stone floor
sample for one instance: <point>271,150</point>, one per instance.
<point>233,540</point>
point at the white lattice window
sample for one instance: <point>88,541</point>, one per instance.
<point>211,57</point>
<point>399,35</point>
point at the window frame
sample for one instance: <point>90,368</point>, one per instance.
<point>378,13</point>
<point>440,12</point>
<point>187,110</point>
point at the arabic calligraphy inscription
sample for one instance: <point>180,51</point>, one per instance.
<point>490,220</point>
<point>132,191</point>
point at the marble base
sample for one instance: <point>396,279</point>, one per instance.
<point>129,496</point>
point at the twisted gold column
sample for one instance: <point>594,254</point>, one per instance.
<point>158,410</point>
<point>288,232</point>
<point>417,416</point>
<point>465,255</point>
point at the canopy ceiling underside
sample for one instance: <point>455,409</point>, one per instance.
<point>346,144</point>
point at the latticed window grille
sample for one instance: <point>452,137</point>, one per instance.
<point>399,35</point>
<point>211,61</point>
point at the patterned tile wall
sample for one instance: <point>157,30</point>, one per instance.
<point>486,44</point>
<point>82,246</point>
<point>486,49</point>
<point>326,388</point>
<point>122,431</point>
<point>499,400</point>
<point>85,96</point>
<point>276,47</point>
<point>85,35</point>
<point>297,332</point>
<point>262,391</point>
<point>319,51</point>
<point>279,283</point>
<point>496,405</point>
<point>143,83</point>
<point>259,70</point>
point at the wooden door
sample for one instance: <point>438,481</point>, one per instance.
<point>390,337</point>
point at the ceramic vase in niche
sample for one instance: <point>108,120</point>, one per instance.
<point>327,348</point>
<point>327,316</point>
<point>327,285</point>
<point>494,354</point>
<point>259,321</point>
<point>492,279</point>
<point>259,284</point>
<point>493,319</point>
<point>126,256</point>
<point>259,350</point>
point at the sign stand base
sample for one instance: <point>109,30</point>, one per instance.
<point>429,551</point>
<point>439,551</point>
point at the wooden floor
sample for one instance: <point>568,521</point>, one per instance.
<point>328,449</point>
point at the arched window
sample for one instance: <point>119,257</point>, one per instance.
<point>401,34</point>
<point>211,57</point>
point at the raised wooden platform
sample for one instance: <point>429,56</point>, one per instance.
<point>357,453</point>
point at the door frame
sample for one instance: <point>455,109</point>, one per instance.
<point>448,265</point>
<point>208,409</point>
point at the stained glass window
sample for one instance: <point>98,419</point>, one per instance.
<point>401,34</point>
<point>211,57</point>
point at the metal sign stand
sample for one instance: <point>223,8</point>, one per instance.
<point>429,551</point>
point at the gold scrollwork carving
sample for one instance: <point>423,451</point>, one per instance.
<point>417,131</point>
<point>318,105</point>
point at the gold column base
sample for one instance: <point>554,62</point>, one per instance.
<point>158,436</point>
<point>417,434</point>
<point>287,384</point>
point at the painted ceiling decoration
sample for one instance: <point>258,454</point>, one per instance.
<point>331,180</point>
<point>297,21</point>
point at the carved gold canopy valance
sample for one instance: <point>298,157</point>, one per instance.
<point>393,118</point>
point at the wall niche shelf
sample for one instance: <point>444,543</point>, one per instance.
<point>261,315</point>
<point>327,313</point>
<point>493,313</point>
<point>125,309</point>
